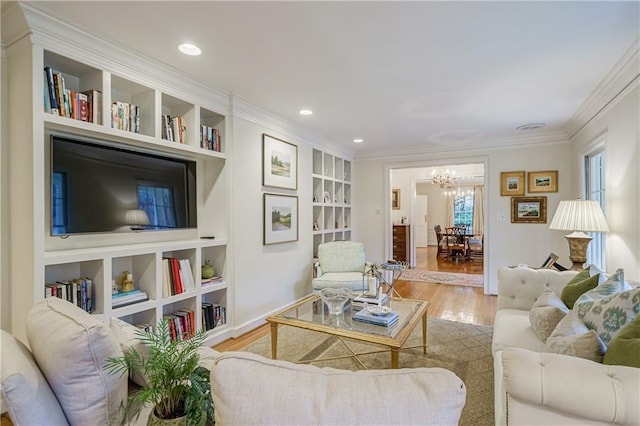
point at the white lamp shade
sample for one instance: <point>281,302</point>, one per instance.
<point>579,215</point>
<point>136,218</point>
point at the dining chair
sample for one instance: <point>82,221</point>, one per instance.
<point>443,249</point>
<point>456,244</point>
<point>475,248</point>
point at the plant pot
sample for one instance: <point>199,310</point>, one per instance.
<point>154,420</point>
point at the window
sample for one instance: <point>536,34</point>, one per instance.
<point>59,203</point>
<point>157,202</point>
<point>463,209</point>
<point>594,190</point>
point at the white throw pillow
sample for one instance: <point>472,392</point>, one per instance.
<point>546,313</point>
<point>572,337</point>
<point>128,338</point>
<point>71,348</point>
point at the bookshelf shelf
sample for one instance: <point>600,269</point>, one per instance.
<point>331,198</point>
<point>102,258</point>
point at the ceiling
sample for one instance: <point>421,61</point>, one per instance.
<point>404,76</point>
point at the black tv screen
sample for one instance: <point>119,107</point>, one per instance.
<point>98,187</point>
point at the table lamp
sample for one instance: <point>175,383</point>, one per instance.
<point>136,219</point>
<point>579,216</point>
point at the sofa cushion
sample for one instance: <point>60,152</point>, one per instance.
<point>624,349</point>
<point>546,313</point>
<point>128,338</point>
<point>580,284</point>
<point>609,314</point>
<point>249,389</point>
<point>71,348</point>
<point>25,391</point>
<point>352,280</point>
<point>513,329</point>
<point>572,337</point>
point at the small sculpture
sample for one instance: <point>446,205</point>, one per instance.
<point>208,270</point>
<point>125,282</point>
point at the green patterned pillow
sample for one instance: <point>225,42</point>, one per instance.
<point>625,347</point>
<point>609,314</point>
<point>614,284</point>
<point>578,285</point>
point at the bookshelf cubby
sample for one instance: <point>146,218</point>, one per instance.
<point>43,258</point>
<point>331,198</point>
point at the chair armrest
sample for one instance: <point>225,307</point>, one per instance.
<point>317,269</point>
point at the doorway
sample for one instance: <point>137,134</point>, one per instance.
<point>428,203</point>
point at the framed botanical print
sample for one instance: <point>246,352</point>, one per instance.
<point>546,181</point>
<point>279,163</point>
<point>512,183</point>
<point>280,218</point>
<point>395,199</point>
<point>529,210</point>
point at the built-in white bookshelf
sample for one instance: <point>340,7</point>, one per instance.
<point>39,258</point>
<point>331,198</point>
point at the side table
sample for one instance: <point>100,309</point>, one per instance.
<point>396,269</point>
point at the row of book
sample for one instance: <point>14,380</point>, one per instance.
<point>125,298</point>
<point>78,291</point>
<point>177,276</point>
<point>213,315</point>
<point>182,324</point>
<point>58,100</point>
<point>125,116</point>
<point>210,138</point>
<point>174,129</point>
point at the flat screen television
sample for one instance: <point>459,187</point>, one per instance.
<point>98,187</point>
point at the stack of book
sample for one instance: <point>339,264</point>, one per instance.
<point>210,138</point>
<point>365,299</point>
<point>125,298</point>
<point>78,291</point>
<point>210,281</point>
<point>385,320</point>
<point>125,116</point>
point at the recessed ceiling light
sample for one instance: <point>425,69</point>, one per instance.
<point>189,49</point>
<point>358,140</point>
<point>306,112</point>
<point>531,126</point>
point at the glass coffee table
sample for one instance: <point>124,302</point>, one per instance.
<point>311,313</point>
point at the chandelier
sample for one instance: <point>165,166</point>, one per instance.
<point>443,177</point>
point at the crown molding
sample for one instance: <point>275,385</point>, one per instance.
<point>60,37</point>
<point>475,145</point>
<point>623,76</point>
<point>245,109</point>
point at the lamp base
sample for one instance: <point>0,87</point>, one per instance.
<point>578,243</point>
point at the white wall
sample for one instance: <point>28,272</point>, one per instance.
<point>505,243</point>
<point>266,278</point>
<point>618,124</point>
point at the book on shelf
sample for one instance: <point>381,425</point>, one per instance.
<point>385,320</point>
<point>210,281</point>
<point>77,291</point>
<point>121,299</point>
<point>94,106</point>
<point>125,116</point>
<point>213,315</point>
<point>177,276</point>
<point>210,138</point>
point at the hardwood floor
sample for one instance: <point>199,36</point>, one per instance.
<point>450,302</point>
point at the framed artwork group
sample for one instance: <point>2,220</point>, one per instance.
<point>528,209</point>
<point>279,170</point>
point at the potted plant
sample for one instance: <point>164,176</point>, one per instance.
<point>176,385</point>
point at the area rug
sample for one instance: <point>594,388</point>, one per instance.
<point>462,348</point>
<point>452,278</point>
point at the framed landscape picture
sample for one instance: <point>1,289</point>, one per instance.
<point>395,199</point>
<point>279,163</point>
<point>512,183</point>
<point>546,181</point>
<point>529,210</point>
<point>280,218</point>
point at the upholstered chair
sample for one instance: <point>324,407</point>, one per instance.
<point>340,264</point>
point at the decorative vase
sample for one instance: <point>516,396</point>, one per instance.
<point>335,298</point>
<point>208,270</point>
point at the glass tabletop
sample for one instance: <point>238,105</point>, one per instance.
<point>315,312</point>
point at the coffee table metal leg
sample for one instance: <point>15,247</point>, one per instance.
<point>395,357</point>
<point>274,340</point>
<point>424,333</point>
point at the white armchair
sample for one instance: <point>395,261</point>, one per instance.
<point>340,264</point>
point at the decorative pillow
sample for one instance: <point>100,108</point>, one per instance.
<point>128,338</point>
<point>578,285</point>
<point>572,337</point>
<point>624,349</point>
<point>594,270</point>
<point>25,391</point>
<point>546,313</point>
<point>609,314</point>
<point>612,285</point>
<point>71,348</point>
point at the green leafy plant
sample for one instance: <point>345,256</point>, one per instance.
<point>176,385</point>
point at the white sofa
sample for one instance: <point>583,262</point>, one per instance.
<point>61,381</point>
<point>536,387</point>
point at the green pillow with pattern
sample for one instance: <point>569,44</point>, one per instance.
<point>578,285</point>
<point>608,315</point>
<point>625,347</point>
